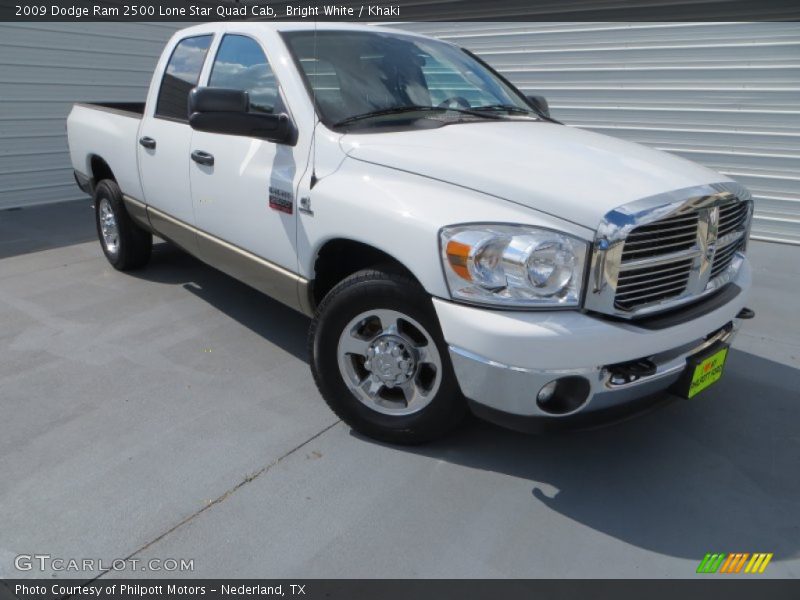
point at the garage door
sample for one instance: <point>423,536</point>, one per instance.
<point>44,68</point>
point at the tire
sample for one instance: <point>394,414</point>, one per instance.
<point>126,245</point>
<point>389,323</point>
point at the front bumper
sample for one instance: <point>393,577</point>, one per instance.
<point>502,359</point>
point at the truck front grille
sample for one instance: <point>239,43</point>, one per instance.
<point>662,237</point>
<point>651,256</point>
<point>654,266</point>
<point>643,280</point>
<point>732,219</point>
<point>652,283</point>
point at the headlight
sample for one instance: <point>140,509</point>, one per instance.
<point>514,266</point>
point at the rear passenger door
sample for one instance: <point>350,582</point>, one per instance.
<point>246,197</point>
<point>165,139</point>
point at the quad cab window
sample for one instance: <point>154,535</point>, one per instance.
<point>181,75</point>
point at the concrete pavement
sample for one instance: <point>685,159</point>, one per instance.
<point>171,414</point>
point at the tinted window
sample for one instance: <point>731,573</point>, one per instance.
<point>356,72</point>
<point>448,78</point>
<point>241,65</point>
<point>182,74</point>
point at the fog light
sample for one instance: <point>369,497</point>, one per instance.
<point>563,396</point>
<point>547,391</point>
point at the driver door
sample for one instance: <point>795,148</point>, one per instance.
<point>243,188</point>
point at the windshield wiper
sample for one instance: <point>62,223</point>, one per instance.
<point>396,110</point>
<point>517,110</point>
<point>508,108</point>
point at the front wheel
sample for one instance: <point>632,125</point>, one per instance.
<point>380,362</point>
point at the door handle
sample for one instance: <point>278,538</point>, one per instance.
<point>203,158</point>
<point>148,142</point>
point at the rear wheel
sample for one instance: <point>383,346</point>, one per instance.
<point>126,245</point>
<point>380,362</point>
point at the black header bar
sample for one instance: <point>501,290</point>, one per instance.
<point>732,588</point>
<point>400,10</point>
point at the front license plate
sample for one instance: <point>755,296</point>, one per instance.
<point>707,371</point>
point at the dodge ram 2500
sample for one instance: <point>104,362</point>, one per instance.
<point>456,247</point>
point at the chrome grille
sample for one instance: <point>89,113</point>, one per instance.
<point>723,259</point>
<point>662,237</point>
<point>669,249</point>
<point>732,217</point>
<point>642,282</point>
<point>651,284</point>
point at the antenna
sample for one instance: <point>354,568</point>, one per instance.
<point>313,181</point>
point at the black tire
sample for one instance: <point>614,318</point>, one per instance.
<point>382,290</point>
<point>133,244</point>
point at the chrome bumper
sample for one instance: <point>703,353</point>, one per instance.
<point>513,390</point>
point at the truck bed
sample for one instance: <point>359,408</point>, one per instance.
<point>106,132</point>
<point>128,109</point>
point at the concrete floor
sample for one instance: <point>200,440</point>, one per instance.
<point>171,414</point>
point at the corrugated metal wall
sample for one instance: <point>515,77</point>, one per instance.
<point>44,68</point>
<point>726,95</point>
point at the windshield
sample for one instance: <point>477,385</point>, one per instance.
<point>353,74</point>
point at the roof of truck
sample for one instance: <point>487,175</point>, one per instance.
<point>293,26</point>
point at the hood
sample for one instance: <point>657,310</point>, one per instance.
<point>567,172</point>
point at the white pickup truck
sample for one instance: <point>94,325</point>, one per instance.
<point>457,248</point>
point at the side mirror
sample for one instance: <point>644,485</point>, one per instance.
<point>206,99</point>
<point>540,104</point>
<point>218,110</point>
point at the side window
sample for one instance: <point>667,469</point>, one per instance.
<point>241,65</point>
<point>182,74</point>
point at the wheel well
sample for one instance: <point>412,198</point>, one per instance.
<point>339,258</point>
<point>100,170</point>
